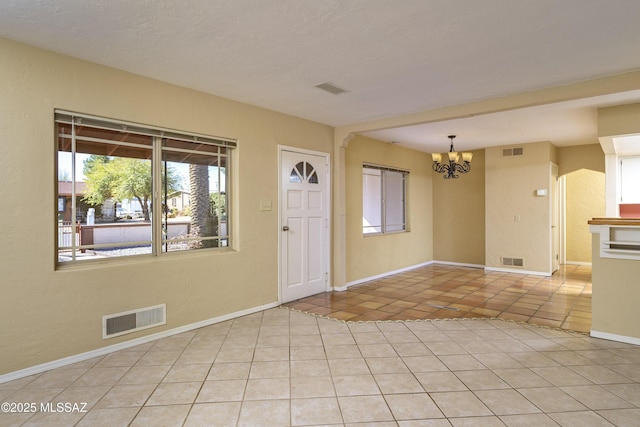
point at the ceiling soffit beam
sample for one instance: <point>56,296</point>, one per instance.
<point>585,89</point>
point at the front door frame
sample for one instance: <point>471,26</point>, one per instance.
<point>327,201</point>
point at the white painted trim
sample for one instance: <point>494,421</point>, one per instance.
<point>578,263</point>
<point>459,264</point>
<point>614,337</point>
<point>128,344</point>
<point>380,276</point>
<point>511,270</point>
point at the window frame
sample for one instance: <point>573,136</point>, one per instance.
<point>385,226</point>
<point>157,218</point>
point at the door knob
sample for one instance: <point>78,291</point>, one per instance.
<point>285,228</point>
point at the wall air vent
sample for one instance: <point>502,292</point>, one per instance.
<point>517,151</point>
<point>512,262</point>
<point>117,324</point>
<point>331,88</point>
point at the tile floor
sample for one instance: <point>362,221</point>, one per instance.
<point>560,301</point>
<point>282,367</point>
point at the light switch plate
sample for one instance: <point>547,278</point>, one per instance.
<point>265,206</point>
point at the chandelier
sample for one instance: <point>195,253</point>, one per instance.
<point>449,168</point>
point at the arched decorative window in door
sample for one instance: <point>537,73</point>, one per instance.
<point>303,172</point>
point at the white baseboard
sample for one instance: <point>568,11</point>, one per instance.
<point>380,276</point>
<point>127,344</point>
<point>577,263</point>
<point>460,264</point>
<point>614,337</point>
<point>516,271</point>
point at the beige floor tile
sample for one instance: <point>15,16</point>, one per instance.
<point>592,419</point>
<point>521,378</point>
<point>461,362</point>
<point>528,420</point>
<point>269,370</point>
<point>267,389</point>
<point>109,417</point>
<point>458,404</point>
<point>342,352</point>
<point>621,417</point>
<point>222,391</point>
<point>161,416</point>
<point>221,414</point>
<point>174,394</point>
<point>387,365</point>
<point>307,353</point>
<point>600,375</point>
<point>364,409</point>
<point>120,358</point>
<point>424,364</point>
<point>196,356</point>
<point>153,358</point>
<point>100,376</point>
<point>595,397</point>
<point>413,406</point>
<point>54,419</point>
<point>264,413</point>
<point>550,399</point>
<point>355,385</point>
<point>126,396</point>
<point>309,368</point>
<point>341,367</point>
<point>307,387</point>
<point>506,402</point>
<point>488,421</point>
<point>561,376</point>
<point>398,383</point>
<point>319,411</point>
<point>440,382</point>
<point>377,350</point>
<point>145,375</point>
<point>269,354</point>
<point>187,373</point>
<point>229,371</point>
<point>481,380</point>
<point>62,377</point>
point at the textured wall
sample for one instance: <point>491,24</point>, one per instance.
<point>585,200</point>
<point>372,255</point>
<point>48,314</point>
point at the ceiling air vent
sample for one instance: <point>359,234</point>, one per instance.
<point>331,88</point>
<point>517,151</point>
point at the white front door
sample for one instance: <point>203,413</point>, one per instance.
<point>304,232</point>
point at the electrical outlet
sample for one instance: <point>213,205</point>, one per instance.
<point>516,218</point>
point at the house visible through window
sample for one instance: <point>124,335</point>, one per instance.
<point>112,176</point>
<point>383,199</point>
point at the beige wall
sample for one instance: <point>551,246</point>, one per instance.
<point>511,183</point>
<point>584,200</point>
<point>372,255</point>
<point>588,156</point>
<point>459,215</point>
<point>47,314</point>
<point>619,120</point>
<point>614,304</point>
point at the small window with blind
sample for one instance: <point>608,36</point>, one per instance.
<point>384,203</point>
<point>125,189</point>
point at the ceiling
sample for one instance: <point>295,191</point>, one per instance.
<point>393,58</point>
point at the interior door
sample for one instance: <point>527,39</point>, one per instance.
<point>304,225</point>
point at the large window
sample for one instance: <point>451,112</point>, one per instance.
<point>112,176</point>
<point>383,199</point>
